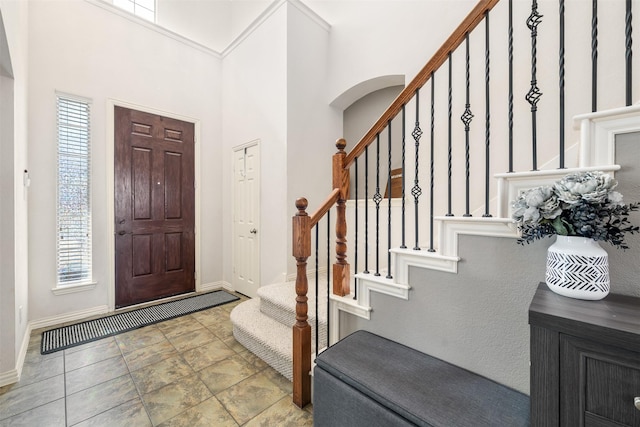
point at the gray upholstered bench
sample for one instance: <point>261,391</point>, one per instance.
<point>367,380</point>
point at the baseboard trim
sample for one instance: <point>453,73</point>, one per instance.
<point>221,284</point>
<point>68,317</point>
<point>9,377</point>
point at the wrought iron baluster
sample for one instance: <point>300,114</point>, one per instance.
<point>561,85</point>
<point>389,204</point>
<point>377,198</point>
<point>403,244</point>
<point>450,138</point>
<point>432,164</point>
<point>416,191</point>
<point>487,116</point>
<point>366,210</point>
<point>594,55</point>
<point>328,277</point>
<point>355,244</point>
<point>628,54</point>
<point>466,118</point>
<point>317,229</point>
<point>510,49</point>
<point>534,94</point>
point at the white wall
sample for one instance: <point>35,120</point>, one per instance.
<point>313,126</point>
<point>78,48</point>
<point>13,210</point>
<point>255,108</point>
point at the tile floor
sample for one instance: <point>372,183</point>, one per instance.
<point>188,371</point>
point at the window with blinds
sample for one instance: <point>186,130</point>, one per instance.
<point>74,195</point>
<point>143,8</point>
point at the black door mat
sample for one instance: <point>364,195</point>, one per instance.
<point>92,330</point>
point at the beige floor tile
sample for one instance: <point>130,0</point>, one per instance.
<point>234,345</point>
<point>175,398</point>
<point>224,374</point>
<point>50,415</point>
<point>278,379</point>
<point>206,414</point>
<point>192,339</point>
<point>211,316</point>
<point>88,345</point>
<point>38,371</point>
<point>88,356</point>
<point>250,397</point>
<point>157,375</point>
<point>100,398</point>
<point>282,414</point>
<point>139,338</point>
<point>129,414</point>
<point>149,355</point>
<point>207,355</point>
<point>14,401</point>
<point>100,372</point>
<point>253,359</point>
<point>178,326</point>
<point>222,330</point>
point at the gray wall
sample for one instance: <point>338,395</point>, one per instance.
<point>478,318</point>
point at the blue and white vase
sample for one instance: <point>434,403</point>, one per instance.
<point>577,267</point>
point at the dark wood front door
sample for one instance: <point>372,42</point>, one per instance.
<point>154,207</point>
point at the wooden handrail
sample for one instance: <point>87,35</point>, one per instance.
<point>324,208</point>
<point>457,37</point>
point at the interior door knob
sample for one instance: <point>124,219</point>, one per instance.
<point>636,402</point>
<point>253,231</point>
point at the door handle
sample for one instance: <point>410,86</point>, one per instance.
<point>253,231</point>
<point>122,232</point>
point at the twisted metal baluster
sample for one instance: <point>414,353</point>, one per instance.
<point>510,48</point>
<point>377,198</point>
<point>389,201</point>
<point>561,85</point>
<point>317,274</point>
<point>594,55</point>
<point>487,116</point>
<point>466,118</point>
<point>628,53</point>
<point>432,164</point>
<point>328,276</point>
<point>416,191</point>
<point>534,94</point>
<point>355,244</point>
<point>403,245</point>
<point>450,138</point>
<point>366,210</point>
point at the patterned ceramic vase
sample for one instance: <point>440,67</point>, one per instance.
<point>578,267</point>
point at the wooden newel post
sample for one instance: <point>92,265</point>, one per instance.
<point>341,181</point>
<point>301,329</point>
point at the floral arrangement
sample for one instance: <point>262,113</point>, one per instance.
<point>580,204</point>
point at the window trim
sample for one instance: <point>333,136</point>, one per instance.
<point>136,4</point>
<point>87,283</point>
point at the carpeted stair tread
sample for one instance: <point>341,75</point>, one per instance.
<point>267,338</point>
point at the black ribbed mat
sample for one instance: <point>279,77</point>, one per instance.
<point>92,330</point>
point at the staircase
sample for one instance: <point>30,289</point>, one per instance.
<point>375,254</point>
<point>263,325</point>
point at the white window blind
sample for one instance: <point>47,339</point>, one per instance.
<point>74,195</point>
<point>143,8</point>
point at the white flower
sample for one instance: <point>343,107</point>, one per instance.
<point>615,198</point>
<point>593,187</point>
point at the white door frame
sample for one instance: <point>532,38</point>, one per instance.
<point>235,149</point>
<point>109,159</point>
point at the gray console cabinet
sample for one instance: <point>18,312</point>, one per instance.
<point>585,360</point>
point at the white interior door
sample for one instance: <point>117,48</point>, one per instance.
<point>246,220</point>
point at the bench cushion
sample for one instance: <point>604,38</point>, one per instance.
<point>420,388</point>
